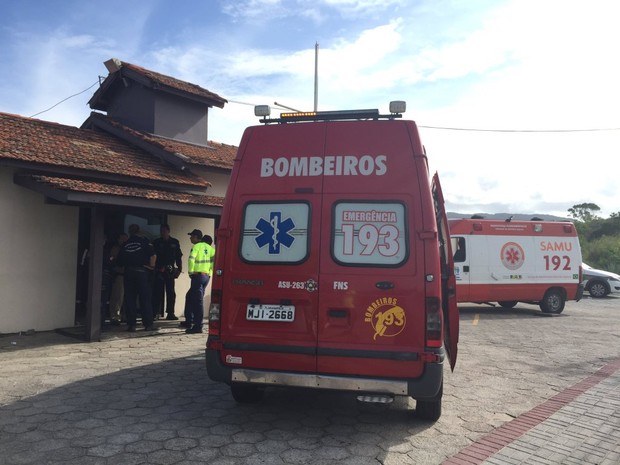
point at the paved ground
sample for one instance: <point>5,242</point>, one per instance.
<point>528,388</point>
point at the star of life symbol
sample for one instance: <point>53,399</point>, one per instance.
<point>512,255</point>
<point>275,232</point>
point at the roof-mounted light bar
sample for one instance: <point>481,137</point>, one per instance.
<point>396,110</point>
<point>329,115</point>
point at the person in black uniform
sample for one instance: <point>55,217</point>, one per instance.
<point>138,257</point>
<point>168,267</point>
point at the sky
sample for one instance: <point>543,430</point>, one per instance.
<point>517,101</point>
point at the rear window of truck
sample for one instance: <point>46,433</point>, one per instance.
<point>275,232</point>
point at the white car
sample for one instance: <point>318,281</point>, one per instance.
<point>600,283</point>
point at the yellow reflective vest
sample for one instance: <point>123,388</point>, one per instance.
<point>201,259</point>
<point>211,259</point>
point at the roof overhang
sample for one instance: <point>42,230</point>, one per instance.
<point>82,193</point>
<point>118,74</point>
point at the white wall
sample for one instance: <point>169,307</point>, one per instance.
<point>38,250</point>
<point>219,181</point>
<point>179,227</point>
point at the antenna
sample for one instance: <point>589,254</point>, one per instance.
<point>284,106</point>
<point>316,83</point>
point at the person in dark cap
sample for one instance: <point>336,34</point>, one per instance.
<point>198,270</point>
<point>195,232</point>
<point>138,257</point>
<point>168,267</point>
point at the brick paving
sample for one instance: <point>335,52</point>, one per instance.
<point>528,389</point>
<point>579,425</point>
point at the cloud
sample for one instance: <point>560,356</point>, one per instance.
<point>317,9</point>
<point>518,64</point>
<point>502,71</point>
<point>58,52</point>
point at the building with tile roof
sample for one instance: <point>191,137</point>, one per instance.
<point>63,190</point>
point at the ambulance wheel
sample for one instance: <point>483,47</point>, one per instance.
<point>553,302</point>
<point>429,410</point>
<point>508,303</point>
<point>246,393</point>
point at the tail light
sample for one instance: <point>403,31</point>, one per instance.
<point>434,322</point>
<point>214,312</point>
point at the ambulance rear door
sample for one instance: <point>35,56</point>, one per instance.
<point>371,288</point>
<point>271,280</point>
<point>448,281</point>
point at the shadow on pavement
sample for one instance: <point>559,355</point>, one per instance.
<point>170,412</point>
<point>520,311</point>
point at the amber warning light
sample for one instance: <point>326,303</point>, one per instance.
<point>397,108</point>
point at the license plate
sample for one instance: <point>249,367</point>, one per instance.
<point>271,312</point>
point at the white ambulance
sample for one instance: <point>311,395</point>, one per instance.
<point>536,262</point>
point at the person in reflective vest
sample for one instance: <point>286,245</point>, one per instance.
<point>199,268</point>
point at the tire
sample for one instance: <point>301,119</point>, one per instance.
<point>598,289</point>
<point>246,393</point>
<point>553,302</point>
<point>429,410</point>
<point>508,303</point>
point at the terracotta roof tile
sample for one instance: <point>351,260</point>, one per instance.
<point>214,155</point>
<point>51,144</point>
<point>168,81</point>
<point>75,185</point>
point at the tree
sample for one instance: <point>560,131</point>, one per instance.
<point>584,212</point>
<point>603,253</point>
<point>604,227</point>
<point>599,237</point>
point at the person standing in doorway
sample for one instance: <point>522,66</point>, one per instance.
<point>168,267</point>
<point>137,256</point>
<point>116,296</point>
<point>198,269</point>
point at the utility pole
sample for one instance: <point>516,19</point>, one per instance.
<point>316,76</point>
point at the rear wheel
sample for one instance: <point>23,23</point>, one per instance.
<point>553,302</point>
<point>598,289</point>
<point>508,303</point>
<point>429,410</point>
<point>246,393</point>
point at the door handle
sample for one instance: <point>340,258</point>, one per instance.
<point>337,313</point>
<point>383,285</point>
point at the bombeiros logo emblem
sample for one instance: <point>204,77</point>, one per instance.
<point>330,165</point>
<point>311,285</point>
<point>386,317</point>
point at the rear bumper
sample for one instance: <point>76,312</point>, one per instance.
<point>426,386</point>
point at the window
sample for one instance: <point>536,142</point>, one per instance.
<point>369,233</point>
<point>458,246</point>
<point>275,232</point>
